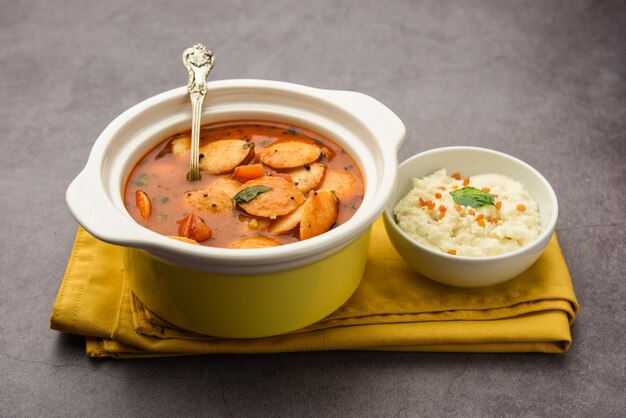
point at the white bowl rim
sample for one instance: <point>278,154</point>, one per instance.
<point>537,244</point>
<point>266,259</point>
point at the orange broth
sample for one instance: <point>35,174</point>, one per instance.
<point>163,177</point>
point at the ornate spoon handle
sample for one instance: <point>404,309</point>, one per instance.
<point>198,60</point>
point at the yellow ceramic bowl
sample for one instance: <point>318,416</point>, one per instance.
<point>253,305</point>
<point>241,293</point>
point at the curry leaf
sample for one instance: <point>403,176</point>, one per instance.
<point>471,196</point>
<point>141,180</point>
<point>250,193</point>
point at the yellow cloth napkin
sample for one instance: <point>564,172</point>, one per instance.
<point>394,308</point>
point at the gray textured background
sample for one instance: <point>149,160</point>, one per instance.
<point>542,80</point>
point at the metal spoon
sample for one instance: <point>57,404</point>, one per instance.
<point>198,60</point>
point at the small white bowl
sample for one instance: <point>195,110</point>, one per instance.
<point>462,271</point>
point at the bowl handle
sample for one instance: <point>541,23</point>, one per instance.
<point>383,123</point>
<point>89,206</point>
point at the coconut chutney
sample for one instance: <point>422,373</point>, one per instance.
<point>483,215</point>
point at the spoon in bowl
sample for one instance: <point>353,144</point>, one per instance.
<point>198,60</point>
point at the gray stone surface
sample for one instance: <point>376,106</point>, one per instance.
<point>542,80</point>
